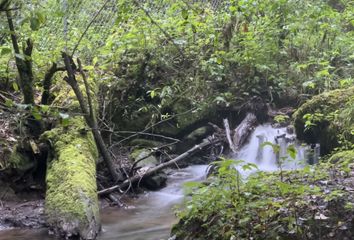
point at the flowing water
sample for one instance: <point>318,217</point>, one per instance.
<point>255,151</point>
<point>150,216</point>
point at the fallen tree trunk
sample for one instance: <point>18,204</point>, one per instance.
<point>154,170</point>
<point>71,203</point>
<point>242,132</point>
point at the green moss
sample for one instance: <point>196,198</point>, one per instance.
<point>71,197</point>
<point>343,157</point>
<point>19,161</point>
<point>326,130</point>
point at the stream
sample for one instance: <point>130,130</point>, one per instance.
<point>150,216</point>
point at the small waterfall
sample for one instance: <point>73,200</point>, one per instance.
<point>264,156</point>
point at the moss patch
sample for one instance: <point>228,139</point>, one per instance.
<point>326,129</point>
<point>71,197</point>
<point>19,161</point>
<point>343,157</point>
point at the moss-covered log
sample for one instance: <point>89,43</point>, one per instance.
<point>71,203</point>
<point>320,114</point>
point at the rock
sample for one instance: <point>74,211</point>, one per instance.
<point>155,182</point>
<point>320,108</point>
<point>198,134</point>
<point>71,204</point>
<point>149,160</point>
<point>193,138</point>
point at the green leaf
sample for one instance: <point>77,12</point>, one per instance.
<point>152,94</point>
<point>41,17</point>
<point>44,108</point>
<point>9,103</point>
<point>291,151</point>
<point>194,28</point>
<point>36,114</point>
<point>185,14</point>
<point>193,184</point>
<point>5,51</point>
<point>35,23</point>
<point>15,86</point>
<point>65,122</point>
<point>249,166</point>
<point>65,119</point>
<point>275,147</point>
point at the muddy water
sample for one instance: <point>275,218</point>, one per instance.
<point>148,217</point>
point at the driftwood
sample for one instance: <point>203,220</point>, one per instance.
<point>242,132</point>
<point>152,171</point>
<point>228,136</point>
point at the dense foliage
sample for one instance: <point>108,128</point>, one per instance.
<point>150,61</point>
<point>311,203</point>
<point>160,54</point>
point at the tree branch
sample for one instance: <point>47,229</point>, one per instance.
<point>47,82</point>
<point>90,119</point>
<point>152,171</point>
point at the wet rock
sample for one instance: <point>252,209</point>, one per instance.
<point>25,215</point>
<point>145,158</point>
<point>155,182</point>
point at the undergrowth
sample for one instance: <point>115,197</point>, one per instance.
<point>312,203</point>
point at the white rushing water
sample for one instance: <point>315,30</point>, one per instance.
<point>264,156</point>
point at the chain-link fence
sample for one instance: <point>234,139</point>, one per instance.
<point>69,22</point>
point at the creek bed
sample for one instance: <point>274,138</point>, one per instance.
<point>149,217</point>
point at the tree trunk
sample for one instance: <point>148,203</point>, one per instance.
<point>228,135</point>
<point>23,62</point>
<point>242,132</point>
<point>89,117</point>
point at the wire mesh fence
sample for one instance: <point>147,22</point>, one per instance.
<point>88,22</point>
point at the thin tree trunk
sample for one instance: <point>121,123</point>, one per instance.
<point>90,120</point>
<point>23,62</point>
